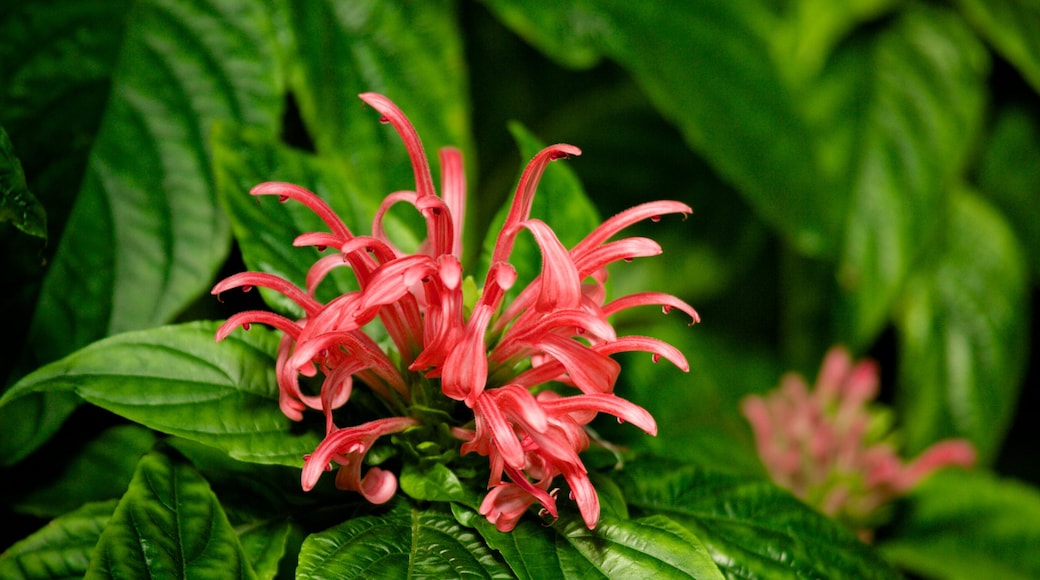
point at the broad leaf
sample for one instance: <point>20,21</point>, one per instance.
<point>402,543</point>
<point>146,235</point>
<point>62,548</point>
<point>434,482</point>
<point>1013,28</point>
<point>752,528</point>
<point>168,525</point>
<point>100,471</point>
<point>915,100</point>
<point>963,525</point>
<point>177,380</point>
<point>963,333</point>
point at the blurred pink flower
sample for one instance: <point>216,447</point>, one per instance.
<point>494,356</point>
<point>832,449</point>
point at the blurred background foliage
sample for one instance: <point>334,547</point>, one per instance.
<point>863,172</point>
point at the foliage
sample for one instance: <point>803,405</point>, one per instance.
<point>863,173</point>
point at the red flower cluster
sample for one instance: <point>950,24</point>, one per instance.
<point>830,448</point>
<point>492,356</point>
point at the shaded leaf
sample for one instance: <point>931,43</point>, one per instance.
<point>1013,28</point>
<point>177,380</point>
<point>168,525</point>
<point>963,333</point>
<point>752,528</point>
<point>961,525</point>
<point>62,548</point>
<point>18,205</point>
<point>402,543</point>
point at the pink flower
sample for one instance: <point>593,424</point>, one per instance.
<point>497,359</point>
<point>825,445</point>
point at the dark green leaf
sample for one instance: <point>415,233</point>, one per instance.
<point>529,549</point>
<point>410,52</point>
<point>1010,175</point>
<point>168,525</point>
<point>177,380</point>
<point>1013,28</point>
<point>752,528</point>
<point>961,525</point>
<point>963,333</point>
<point>17,204</point>
<point>100,471</point>
<point>402,543</point>
<point>146,235</point>
<point>915,99</point>
<point>61,549</point>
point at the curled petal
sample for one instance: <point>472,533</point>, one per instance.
<point>453,190</point>
<point>393,115</point>
<point>247,280</point>
<point>308,198</point>
<point>348,447</point>
<point>603,403</point>
<point>947,453</point>
<point>630,216</point>
<point>244,319</point>
<point>505,504</point>
<point>626,249</point>
<point>666,301</point>
<point>657,348</point>
<point>560,285</point>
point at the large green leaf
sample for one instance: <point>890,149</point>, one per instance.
<point>914,98</point>
<point>1013,28</point>
<point>410,52</point>
<point>146,235</point>
<point>963,333</point>
<point>962,525</point>
<point>62,548</point>
<point>402,543</point>
<point>177,380</point>
<point>168,525</point>
<point>752,528</point>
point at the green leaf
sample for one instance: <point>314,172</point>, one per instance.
<point>915,98</point>
<point>962,525</point>
<point>560,202</point>
<point>410,52</point>
<point>1009,175</point>
<point>964,334</point>
<point>177,380</point>
<point>146,235</point>
<point>1013,28</point>
<point>752,528</point>
<point>62,548</point>
<point>100,471</point>
<point>402,543</point>
<point>17,204</point>
<point>434,482</point>
<point>168,525</point>
<point>529,549</point>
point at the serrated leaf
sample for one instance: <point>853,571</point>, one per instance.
<point>100,471</point>
<point>963,333</point>
<point>168,525</point>
<point>410,52</point>
<point>146,235</point>
<point>402,543</point>
<point>177,380</point>
<point>923,79</point>
<point>560,202</point>
<point>1013,28</point>
<point>961,525</point>
<point>752,528</point>
<point>62,548</point>
<point>18,205</point>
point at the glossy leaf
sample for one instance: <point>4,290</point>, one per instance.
<point>434,482</point>
<point>961,525</point>
<point>146,233</point>
<point>963,334</point>
<point>751,528</point>
<point>169,525</point>
<point>402,543</point>
<point>923,81</point>
<point>62,548</point>
<point>178,380</point>
<point>1013,28</point>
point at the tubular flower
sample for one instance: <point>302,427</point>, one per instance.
<point>491,361</point>
<point>833,450</point>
